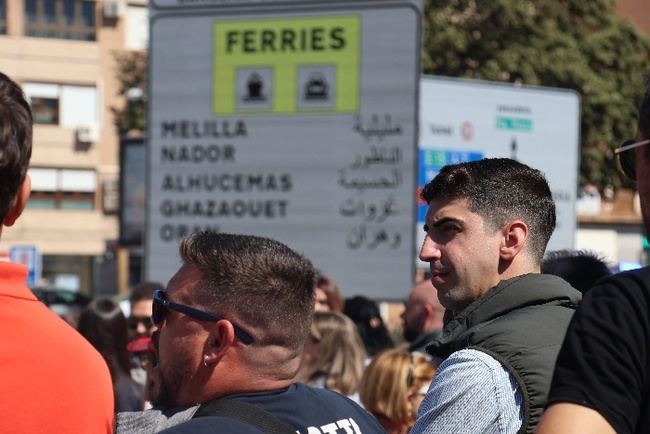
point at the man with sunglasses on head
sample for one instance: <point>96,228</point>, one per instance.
<point>232,325</point>
<point>141,329</point>
<point>141,302</point>
<point>52,380</point>
<point>602,377</point>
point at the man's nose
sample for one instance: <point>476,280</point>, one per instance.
<point>429,251</point>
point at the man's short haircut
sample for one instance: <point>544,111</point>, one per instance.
<point>500,190</point>
<point>260,281</point>
<point>144,291</point>
<point>15,141</point>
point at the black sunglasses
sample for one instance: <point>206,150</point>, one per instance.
<point>134,321</point>
<point>627,160</point>
<point>161,305</point>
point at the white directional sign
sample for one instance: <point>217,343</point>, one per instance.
<point>296,124</point>
<point>30,257</point>
<point>464,120</point>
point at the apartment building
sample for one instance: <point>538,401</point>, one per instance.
<point>637,11</point>
<point>63,53</point>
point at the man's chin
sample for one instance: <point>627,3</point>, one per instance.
<point>162,398</point>
<point>160,392</point>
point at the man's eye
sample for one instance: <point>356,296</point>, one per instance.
<point>451,228</point>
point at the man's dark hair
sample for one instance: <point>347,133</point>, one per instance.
<point>366,316</point>
<point>144,291</point>
<point>15,141</point>
<point>581,268</point>
<point>500,190</point>
<point>260,281</point>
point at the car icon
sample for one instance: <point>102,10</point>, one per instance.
<point>316,87</point>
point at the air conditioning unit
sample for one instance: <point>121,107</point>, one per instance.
<point>87,134</point>
<point>114,9</point>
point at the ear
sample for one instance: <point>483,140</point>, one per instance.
<point>221,338</point>
<point>513,241</point>
<point>19,202</point>
<point>429,312</point>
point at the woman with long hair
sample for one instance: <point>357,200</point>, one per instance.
<point>334,354</point>
<point>103,324</point>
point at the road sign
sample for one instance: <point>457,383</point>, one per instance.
<point>535,125</point>
<point>30,257</point>
<point>295,123</point>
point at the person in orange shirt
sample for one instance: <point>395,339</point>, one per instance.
<point>51,378</point>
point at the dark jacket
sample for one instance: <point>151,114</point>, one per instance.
<point>421,342</point>
<point>521,323</point>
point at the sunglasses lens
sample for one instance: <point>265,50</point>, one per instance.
<point>134,322</point>
<point>158,310</point>
<point>157,313</point>
<point>627,161</point>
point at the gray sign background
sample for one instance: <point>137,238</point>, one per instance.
<point>350,199</point>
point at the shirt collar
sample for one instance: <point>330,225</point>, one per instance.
<point>12,281</point>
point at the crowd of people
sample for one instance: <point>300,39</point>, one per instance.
<point>247,337</point>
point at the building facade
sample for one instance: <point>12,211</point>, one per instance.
<point>63,53</point>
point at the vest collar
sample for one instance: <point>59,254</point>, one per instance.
<point>515,293</point>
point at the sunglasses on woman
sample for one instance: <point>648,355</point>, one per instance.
<point>161,306</point>
<point>627,160</point>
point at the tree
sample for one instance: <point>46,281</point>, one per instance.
<point>574,44</point>
<point>132,75</point>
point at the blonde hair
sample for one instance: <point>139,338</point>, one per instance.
<point>423,372</point>
<point>384,388</point>
<point>340,356</point>
<point>390,381</point>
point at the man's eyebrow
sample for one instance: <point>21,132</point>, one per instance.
<point>444,220</point>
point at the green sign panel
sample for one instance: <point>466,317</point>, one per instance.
<point>286,66</point>
<point>514,124</point>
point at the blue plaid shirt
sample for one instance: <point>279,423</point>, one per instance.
<point>471,393</point>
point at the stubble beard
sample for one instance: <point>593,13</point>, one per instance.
<point>170,380</point>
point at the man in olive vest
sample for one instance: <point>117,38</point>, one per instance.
<point>487,227</point>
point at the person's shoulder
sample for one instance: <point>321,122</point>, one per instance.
<point>470,360</point>
<point>639,276</point>
<point>632,285</point>
<point>336,404</point>
<point>306,392</point>
<point>212,425</point>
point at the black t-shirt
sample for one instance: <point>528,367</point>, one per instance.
<point>603,363</point>
<point>312,411</point>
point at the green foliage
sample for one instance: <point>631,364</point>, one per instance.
<point>132,74</point>
<point>574,44</point>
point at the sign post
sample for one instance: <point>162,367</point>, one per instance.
<point>463,120</point>
<point>30,257</point>
<point>294,120</point>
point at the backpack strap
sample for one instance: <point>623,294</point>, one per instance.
<point>244,412</point>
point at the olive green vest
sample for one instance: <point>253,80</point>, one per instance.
<point>521,323</point>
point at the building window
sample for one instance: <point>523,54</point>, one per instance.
<point>3,17</point>
<point>71,189</point>
<point>62,19</point>
<point>64,105</point>
<point>45,110</point>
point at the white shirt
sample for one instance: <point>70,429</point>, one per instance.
<point>471,393</point>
